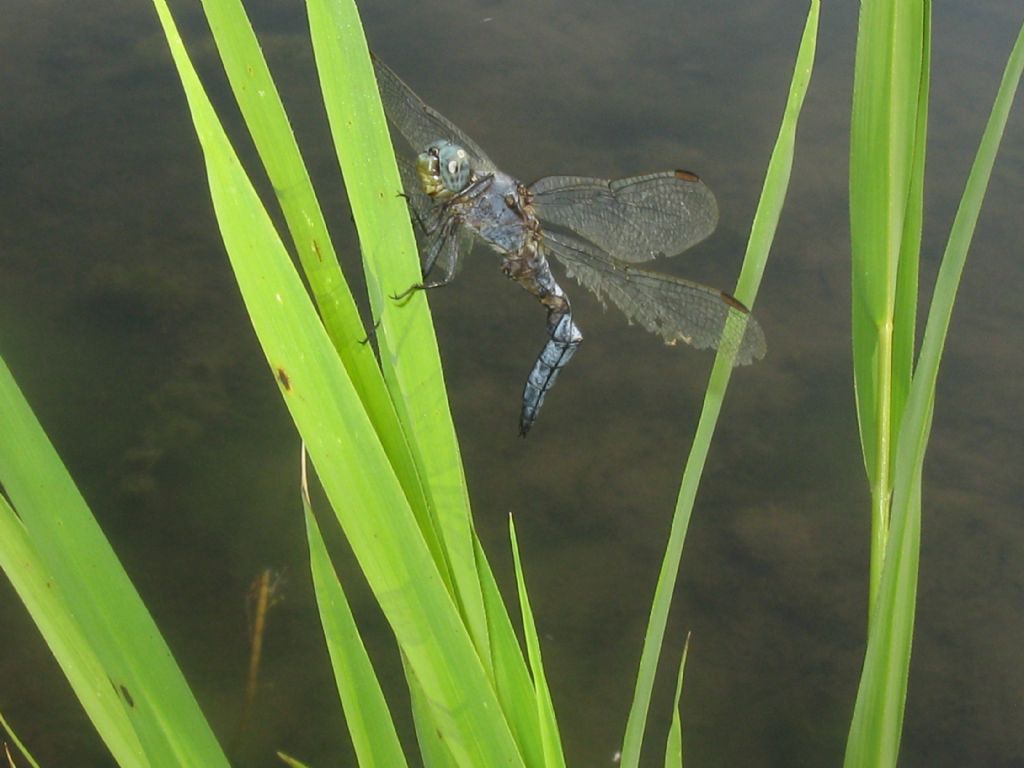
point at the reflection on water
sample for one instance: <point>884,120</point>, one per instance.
<point>119,316</point>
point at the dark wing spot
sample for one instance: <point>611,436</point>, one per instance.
<point>735,303</point>
<point>283,378</point>
<point>687,176</point>
<point>126,696</point>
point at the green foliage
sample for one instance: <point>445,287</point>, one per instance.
<point>550,742</point>
<point>366,712</point>
<point>762,232</point>
<point>80,597</point>
<point>380,435</point>
<point>674,742</point>
<point>390,542</point>
<point>887,144</point>
<point>895,410</point>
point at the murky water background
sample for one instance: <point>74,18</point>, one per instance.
<point>121,321</point>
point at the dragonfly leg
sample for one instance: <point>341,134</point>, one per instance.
<point>447,240</point>
<point>415,215</point>
<point>370,334</point>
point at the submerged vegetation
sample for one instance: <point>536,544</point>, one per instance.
<point>383,447</point>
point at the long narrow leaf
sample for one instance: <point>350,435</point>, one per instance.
<point>674,742</point>
<point>22,749</point>
<point>366,712</point>
<point>350,461</point>
<point>905,305</point>
<point>271,132</point>
<point>762,233</point>
<point>511,677</point>
<point>552,747</point>
<point>409,355</point>
<point>434,749</point>
<point>67,641</point>
<point>82,600</point>
<point>888,78</point>
<point>878,715</point>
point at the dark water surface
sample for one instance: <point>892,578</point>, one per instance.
<point>120,319</point>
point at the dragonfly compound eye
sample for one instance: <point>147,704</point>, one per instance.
<point>429,172</point>
<point>454,166</point>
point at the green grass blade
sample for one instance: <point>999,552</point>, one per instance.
<point>878,715</point>
<point>264,114</point>
<point>290,761</point>
<point>7,726</point>
<point>511,677</point>
<point>905,306</point>
<point>552,747</point>
<point>874,737</point>
<point>887,103</point>
<point>762,233</point>
<point>366,712</point>
<point>355,472</point>
<point>271,132</point>
<point>86,607</point>
<point>434,750</point>
<point>409,355</point>
<point>674,742</point>
<point>67,641</point>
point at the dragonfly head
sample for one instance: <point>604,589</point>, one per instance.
<point>444,169</point>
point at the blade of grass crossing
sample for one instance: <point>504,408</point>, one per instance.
<point>511,677</point>
<point>905,308</point>
<point>366,712</point>
<point>878,714</point>
<point>351,464</point>
<point>95,611</point>
<point>271,132</point>
<point>674,742</point>
<point>434,750</point>
<point>17,744</point>
<point>961,233</point>
<point>553,757</point>
<point>290,761</point>
<point>886,104</point>
<point>264,115</point>
<point>874,737</point>
<point>761,235</point>
<point>43,597</point>
<point>409,355</point>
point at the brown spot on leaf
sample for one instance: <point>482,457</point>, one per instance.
<point>735,303</point>
<point>126,696</point>
<point>282,377</point>
<point>316,251</point>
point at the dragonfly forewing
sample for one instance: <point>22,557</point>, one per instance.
<point>678,310</point>
<point>420,124</point>
<point>635,219</point>
<point>422,208</point>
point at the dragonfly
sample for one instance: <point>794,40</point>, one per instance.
<point>598,229</point>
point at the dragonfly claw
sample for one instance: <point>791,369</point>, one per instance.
<point>407,292</point>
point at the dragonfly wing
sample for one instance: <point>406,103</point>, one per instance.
<point>420,204</point>
<point>675,309</point>
<point>635,219</point>
<point>420,124</point>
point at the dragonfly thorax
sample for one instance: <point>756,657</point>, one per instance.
<point>444,169</point>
